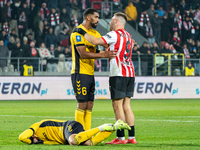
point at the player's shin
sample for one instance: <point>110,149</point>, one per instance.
<point>83,136</point>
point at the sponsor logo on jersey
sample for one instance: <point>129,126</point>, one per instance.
<point>78,38</point>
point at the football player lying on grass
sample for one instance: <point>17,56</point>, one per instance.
<point>68,132</point>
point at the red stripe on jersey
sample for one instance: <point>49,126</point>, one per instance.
<point>129,71</point>
<point>104,40</point>
<point>123,52</point>
<point>117,46</point>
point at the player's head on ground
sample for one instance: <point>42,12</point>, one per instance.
<point>92,16</point>
<point>118,21</point>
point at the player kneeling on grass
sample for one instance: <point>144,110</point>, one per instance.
<point>68,132</point>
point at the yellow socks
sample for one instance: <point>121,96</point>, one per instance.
<point>84,136</point>
<point>87,120</point>
<point>79,116</point>
<point>101,136</point>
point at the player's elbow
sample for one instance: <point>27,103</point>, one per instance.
<point>21,137</point>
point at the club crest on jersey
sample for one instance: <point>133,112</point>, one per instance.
<point>78,38</point>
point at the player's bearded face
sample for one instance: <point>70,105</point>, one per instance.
<point>112,23</point>
<point>94,20</point>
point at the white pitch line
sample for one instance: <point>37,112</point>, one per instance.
<point>153,120</point>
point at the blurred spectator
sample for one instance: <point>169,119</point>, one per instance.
<point>149,33</point>
<point>44,11</point>
<point>28,2</point>
<point>144,49</point>
<point>74,21</point>
<point>186,51</point>
<point>5,28</point>
<point>155,49</point>
<point>189,70</point>
<point>4,52</point>
<point>33,13</point>
<point>50,38</point>
<point>39,36</point>
<point>63,37</point>
<point>164,3</point>
<point>11,44</point>
<point>30,38</point>
<point>182,7</point>
<point>52,4</point>
<point>13,33</point>
<point>131,13</point>
<point>4,37</point>
<point>138,6</point>
<point>156,22</point>
<point>197,15</point>
<point>22,25</point>
<point>16,53</point>
<point>197,33</point>
<point>176,41</point>
<point>160,11</point>
<point>52,62</point>
<point>68,58</point>
<point>26,48</point>
<point>37,20</point>
<point>6,12</point>
<point>44,54</point>
<point>177,24</point>
<point>188,29</point>
<point>46,28</point>
<point>135,54</point>
<point>60,27</point>
<point>67,5</point>
<point>171,16</point>
<point>57,53</point>
<point>165,28</point>
<point>15,13</point>
<point>26,10</point>
<point>53,18</point>
<point>155,3</point>
<point>34,53</point>
<point>143,23</point>
<point>151,11</point>
<point>106,9</point>
<point>64,17</point>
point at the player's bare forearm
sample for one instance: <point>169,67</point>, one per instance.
<point>88,55</point>
<point>93,40</point>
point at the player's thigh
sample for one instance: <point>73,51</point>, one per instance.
<point>84,87</point>
<point>130,81</point>
<point>117,87</point>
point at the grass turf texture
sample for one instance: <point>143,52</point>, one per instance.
<point>160,124</point>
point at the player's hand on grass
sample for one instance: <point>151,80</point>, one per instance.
<point>80,31</point>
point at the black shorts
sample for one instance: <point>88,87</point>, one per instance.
<point>71,127</point>
<point>121,87</point>
<point>84,87</point>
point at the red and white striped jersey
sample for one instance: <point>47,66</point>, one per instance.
<point>120,41</point>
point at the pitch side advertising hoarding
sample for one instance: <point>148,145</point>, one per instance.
<point>45,88</point>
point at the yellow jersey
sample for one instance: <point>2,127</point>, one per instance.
<point>49,131</point>
<point>80,65</point>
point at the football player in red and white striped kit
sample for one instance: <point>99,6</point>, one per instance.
<point>122,76</point>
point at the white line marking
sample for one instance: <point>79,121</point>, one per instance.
<point>47,117</point>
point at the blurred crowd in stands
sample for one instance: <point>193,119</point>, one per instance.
<point>42,28</point>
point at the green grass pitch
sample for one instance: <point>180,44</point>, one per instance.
<point>159,124</point>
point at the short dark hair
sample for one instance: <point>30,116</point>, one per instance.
<point>89,11</point>
<point>120,14</point>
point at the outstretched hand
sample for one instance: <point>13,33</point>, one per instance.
<point>110,54</point>
<point>80,31</point>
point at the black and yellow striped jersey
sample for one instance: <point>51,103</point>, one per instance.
<point>79,65</point>
<point>49,131</point>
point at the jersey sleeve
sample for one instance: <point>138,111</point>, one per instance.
<point>27,134</point>
<point>77,39</point>
<point>110,37</point>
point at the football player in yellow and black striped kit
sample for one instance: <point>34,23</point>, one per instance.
<point>82,73</point>
<point>69,132</point>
